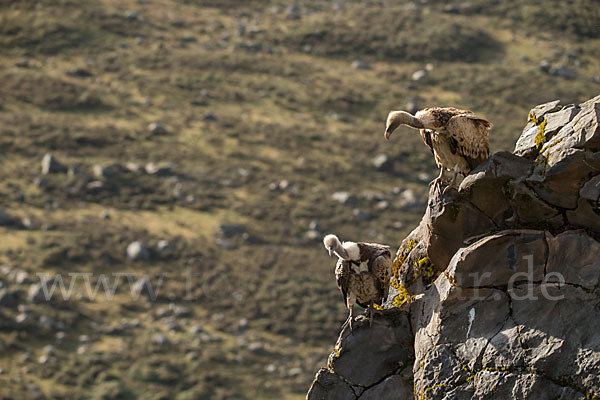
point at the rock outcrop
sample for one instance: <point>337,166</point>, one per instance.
<point>496,293</point>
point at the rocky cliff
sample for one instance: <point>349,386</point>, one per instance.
<point>496,292</point>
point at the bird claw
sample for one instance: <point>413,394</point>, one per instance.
<point>349,323</point>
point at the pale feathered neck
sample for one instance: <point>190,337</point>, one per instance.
<point>397,118</point>
<point>352,249</point>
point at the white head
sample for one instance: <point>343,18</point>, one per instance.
<point>345,251</point>
<point>332,243</point>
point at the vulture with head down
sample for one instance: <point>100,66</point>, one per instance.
<point>363,273</point>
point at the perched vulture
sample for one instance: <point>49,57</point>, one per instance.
<point>457,138</point>
<point>363,273</point>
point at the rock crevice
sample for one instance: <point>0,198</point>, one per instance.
<point>495,294</point>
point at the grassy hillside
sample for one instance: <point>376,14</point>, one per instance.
<point>262,118</point>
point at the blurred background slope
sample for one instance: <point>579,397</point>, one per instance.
<point>224,138</point>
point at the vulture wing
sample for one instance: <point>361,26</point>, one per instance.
<point>470,135</point>
<point>382,268</point>
<point>342,277</point>
<point>426,135</point>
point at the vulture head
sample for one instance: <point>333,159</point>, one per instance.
<point>397,118</point>
<point>345,251</point>
<point>334,246</point>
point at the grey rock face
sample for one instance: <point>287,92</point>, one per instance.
<point>501,280</point>
<point>367,356</point>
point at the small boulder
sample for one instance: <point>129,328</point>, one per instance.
<point>382,162</point>
<point>162,169</point>
<point>109,171</point>
<point>36,294</point>
<point>160,339</point>
<point>137,251</point>
<point>7,299</point>
<point>343,197</point>
<point>6,218</point>
<point>157,129</point>
<point>292,11</point>
<point>360,65</point>
<point>50,165</point>
<point>418,75</point>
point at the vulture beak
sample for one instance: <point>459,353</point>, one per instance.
<point>330,251</point>
<point>387,133</point>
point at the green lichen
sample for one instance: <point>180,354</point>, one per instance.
<point>402,256</point>
<point>540,138</point>
<point>427,389</point>
<point>402,297</point>
<point>531,118</point>
<point>425,268</point>
<point>557,141</point>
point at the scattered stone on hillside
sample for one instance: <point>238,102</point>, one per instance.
<point>382,205</point>
<point>344,197</point>
<point>7,299</point>
<point>113,170</point>
<point>160,169</point>
<point>135,167</point>
<point>293,11</point>
<point>22,319</point>
<point>361,215</point>
<point>131,15</point>
<point>562,71</point>
<point>210,117</point>
<point>196,329</point>
<point>20,277</point>
<point>360,65</point>
<point>412,107</point>
<point>188,38</point>
<point>170,324</point>
<point>47,323</point>
<point>84,339</point>
<point>257,348</point>
<point>51,165</point>
<point>79,72</point>
<point>36,294</point>
<point>137,251</point>
<point>313,235</point>
<point>6,218</point>
<point>42,183</point>
<point>418,75</point>
<point>180,311</point>
<point>163,247</point>
<point>382,162</point>
<point>315,226</point>
<point>408,198</point>
<point>157,129</point>
<point>144,287</point>
<point>231,230</point>
<point>160,339</point>
<point>27,223</point>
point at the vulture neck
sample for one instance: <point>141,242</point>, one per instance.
<point>352,250</point>
<point>404,118</point>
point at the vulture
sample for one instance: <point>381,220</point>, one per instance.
<point>363,273</point>
<point>458,139</point>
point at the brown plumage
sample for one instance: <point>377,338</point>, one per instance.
<point>362,273</point>
<point>458,139</point>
